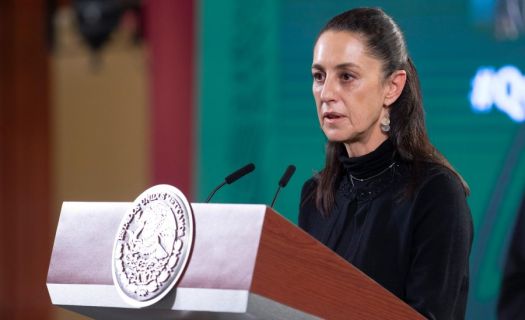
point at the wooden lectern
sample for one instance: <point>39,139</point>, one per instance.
<point>248,262</point>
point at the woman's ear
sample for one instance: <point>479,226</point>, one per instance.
<point>394,86</point>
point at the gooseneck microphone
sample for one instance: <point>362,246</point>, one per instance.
<point>233,177</point>
<point>284,181</point>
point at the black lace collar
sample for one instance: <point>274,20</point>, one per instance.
<point>370,164</point>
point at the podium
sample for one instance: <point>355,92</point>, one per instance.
<point>247,262</point>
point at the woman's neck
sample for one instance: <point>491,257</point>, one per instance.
<point>357,149</point>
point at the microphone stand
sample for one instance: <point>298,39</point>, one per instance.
<point>215,190</point>
<point>275,196</point>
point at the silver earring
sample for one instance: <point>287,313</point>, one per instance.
<point>385,124</point>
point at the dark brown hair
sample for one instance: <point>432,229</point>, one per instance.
<point>384,41</point>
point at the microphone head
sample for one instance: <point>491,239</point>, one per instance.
<point>286,176</point>
<point>240,173</point>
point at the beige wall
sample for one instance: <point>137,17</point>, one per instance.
<point>101,122</point>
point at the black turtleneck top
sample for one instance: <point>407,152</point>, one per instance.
<point>411,234</point>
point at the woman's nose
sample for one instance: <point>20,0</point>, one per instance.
<point>329,90</point>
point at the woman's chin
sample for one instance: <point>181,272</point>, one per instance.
<point>338,137</point>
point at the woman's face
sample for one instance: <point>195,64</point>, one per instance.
<point>350,91</point>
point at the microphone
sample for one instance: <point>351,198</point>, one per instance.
<point>239,173</point>
<point>232,178</point>
<point>284,181</point>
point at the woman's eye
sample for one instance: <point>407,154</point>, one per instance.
<point>318,76</point>
<point>346,77</point>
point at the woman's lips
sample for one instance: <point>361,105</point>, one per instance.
<point>332,117</point>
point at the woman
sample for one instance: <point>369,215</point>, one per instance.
<point>387,201</point>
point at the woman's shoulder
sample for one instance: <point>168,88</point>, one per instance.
<point>440,178</point>
<point>428,175</point>
<point>308,189</point>
<point>310,183</point>
<point>308,212</point>
<point>440,190</point>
